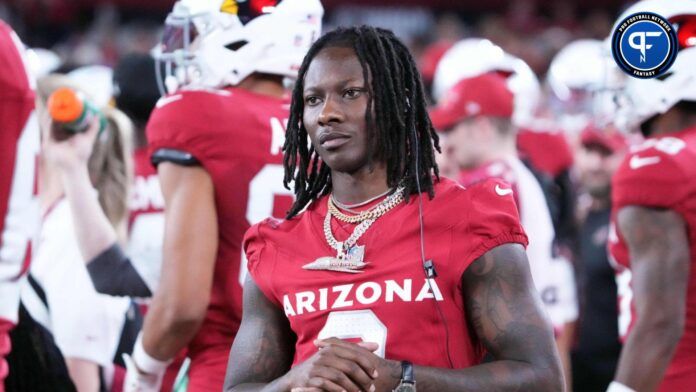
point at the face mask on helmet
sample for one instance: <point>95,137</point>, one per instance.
<point>582,78</point>
<point>215,43</point>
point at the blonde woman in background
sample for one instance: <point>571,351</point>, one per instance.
<point>84,183</point>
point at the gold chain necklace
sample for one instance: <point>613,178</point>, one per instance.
<point>373,213</point>
<point>365,222</point>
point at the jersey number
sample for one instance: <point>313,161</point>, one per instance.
<point>356,324</point>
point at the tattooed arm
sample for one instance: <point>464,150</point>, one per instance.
<point>504,309</point>
<point>263,350</point>
<point>659,248</point>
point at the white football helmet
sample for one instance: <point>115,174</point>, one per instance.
<point>475,56</point>
<point>641,99</point>
<point>578,66</point>
<point>583,79</point>
<point>214,43</point>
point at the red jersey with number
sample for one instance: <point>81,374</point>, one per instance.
<point>237,137</point>
<point>389,302</point>
<point>660,173</point>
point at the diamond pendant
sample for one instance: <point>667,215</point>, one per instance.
<point>356,253</point>
<point>352,262</point>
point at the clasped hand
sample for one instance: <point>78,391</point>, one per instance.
<point>341,366</point>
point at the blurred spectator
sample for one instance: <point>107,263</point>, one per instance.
<point>596,352</point>
<point>85,33</point>
<point>90,329</point>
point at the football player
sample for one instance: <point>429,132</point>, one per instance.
<point>216,140</point>
<point>384,276</point>
<point>19,148</point>
<point>653,240</point>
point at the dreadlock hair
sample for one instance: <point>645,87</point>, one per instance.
<point>396,107</point>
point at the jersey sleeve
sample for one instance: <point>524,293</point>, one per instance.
<point>493,220</point>
<point>184,125</point>
<point>261,258</point>
<point>650,178</point>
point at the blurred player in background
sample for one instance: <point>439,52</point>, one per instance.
<point>596,350</point>
<point>19,149</point>
<point>654,219</point>
<point>216,140</point>
<point>90,329</point>
<point>578,95</point>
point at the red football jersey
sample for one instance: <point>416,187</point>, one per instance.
<point>661,173</point>
<point>390,302</point>
<point>552,275</point>
<point>499,168</point>
<point>237,137</point>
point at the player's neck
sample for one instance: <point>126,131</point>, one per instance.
<point>270,85</point>
<point>357,187</point>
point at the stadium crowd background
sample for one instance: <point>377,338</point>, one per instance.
<point>100,32</point>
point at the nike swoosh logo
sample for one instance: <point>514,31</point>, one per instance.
<point>637,162</point>
<point>502,191</point>
<point>167,100</point>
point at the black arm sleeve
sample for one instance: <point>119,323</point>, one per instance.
<point>112,273</point>
<point>179,157</point>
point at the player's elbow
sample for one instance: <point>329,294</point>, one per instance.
<point>185,313</point>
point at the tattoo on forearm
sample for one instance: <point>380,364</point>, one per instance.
<point>264,345</point>
<point>507,322</point>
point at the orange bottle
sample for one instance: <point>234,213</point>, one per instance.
<point>72,112</point>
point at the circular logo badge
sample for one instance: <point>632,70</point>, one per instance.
<point>644,45</point>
